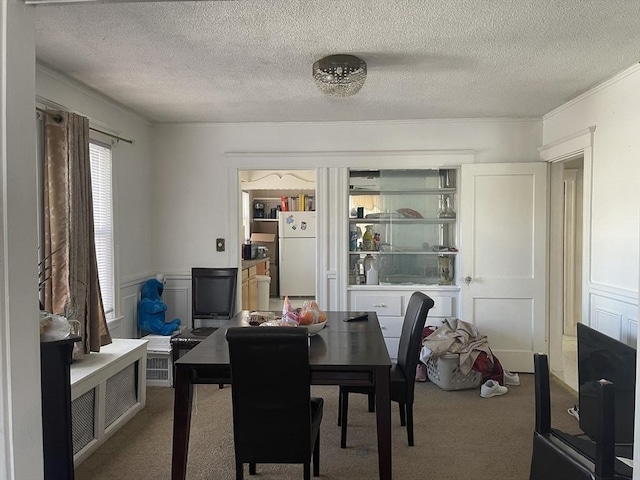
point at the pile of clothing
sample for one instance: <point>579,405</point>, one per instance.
<point>462,338</point>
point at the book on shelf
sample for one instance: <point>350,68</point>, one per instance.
<point>300,203</point>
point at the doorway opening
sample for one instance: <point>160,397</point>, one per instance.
<point>571,173</point>
<point>272,199</point>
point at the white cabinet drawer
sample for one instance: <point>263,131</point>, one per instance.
<point>381,304</point>
<point>391,326</point>
<point>443,305</point>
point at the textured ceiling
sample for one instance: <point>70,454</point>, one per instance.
<point>247,61</point>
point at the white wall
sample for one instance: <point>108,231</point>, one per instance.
<point>614,109</point>
<point>614,232</point>
<point>21,432</point>
<point>191,191</point>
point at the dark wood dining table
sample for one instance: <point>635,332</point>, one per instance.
<point>342,353</point>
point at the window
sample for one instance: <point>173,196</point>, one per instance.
<point>103,221</point>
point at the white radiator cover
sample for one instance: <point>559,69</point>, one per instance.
<point>107,389</point>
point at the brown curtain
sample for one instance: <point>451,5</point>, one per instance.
<point>69,245</point>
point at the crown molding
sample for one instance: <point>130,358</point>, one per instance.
<point>607,83</point>
<point>342,123</point>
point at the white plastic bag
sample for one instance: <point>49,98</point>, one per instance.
<point>54,327</point>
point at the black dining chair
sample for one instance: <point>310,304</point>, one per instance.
<point>275,419</point>
<point>213,299</point>
<point>558,455</point>
<point>403,373</point>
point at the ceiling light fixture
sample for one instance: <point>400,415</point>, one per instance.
<point>340,75</point>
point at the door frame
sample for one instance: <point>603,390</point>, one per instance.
<point>579,144</point>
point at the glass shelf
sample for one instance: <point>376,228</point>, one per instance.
<point>374,253</point>
<point>425,191</point>
<point>400,221</point>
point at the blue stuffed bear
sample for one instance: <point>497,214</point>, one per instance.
<point>151,310</point>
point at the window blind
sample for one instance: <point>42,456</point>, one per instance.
<point>103,221</point>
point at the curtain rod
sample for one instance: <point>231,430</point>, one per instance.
<point>119,139</point>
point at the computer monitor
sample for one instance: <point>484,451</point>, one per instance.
<point>600,356</point>
<point>213,293</point>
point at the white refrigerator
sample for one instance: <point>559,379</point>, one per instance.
<point>297,259</point>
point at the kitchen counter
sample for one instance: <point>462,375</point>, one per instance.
<point>252,263</point>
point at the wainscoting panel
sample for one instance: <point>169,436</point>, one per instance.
<point>616,317</point>
<point>129,312</point>
<point>632,331</point>
<point>177,296</point>
<point>130,296</point>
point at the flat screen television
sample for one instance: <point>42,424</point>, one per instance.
<point>600,356</point>
<point>213,293</point>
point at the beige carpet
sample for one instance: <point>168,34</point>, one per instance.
<point>458,435</point>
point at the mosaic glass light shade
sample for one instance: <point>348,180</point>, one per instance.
<point>340,75</point>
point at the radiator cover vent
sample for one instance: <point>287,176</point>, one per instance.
<point>121,393</point>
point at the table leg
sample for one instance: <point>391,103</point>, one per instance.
<point>175,354</point>
<point>181,422</point>
<point>383,421</point>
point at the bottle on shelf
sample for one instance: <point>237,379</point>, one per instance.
<point>371,270</point>
<point>376,242</point>
<point>359,272</point>
<point>353,237</point>
<point>445,209</point>
<point>448,207</point>
<point>445,269</point>
<point>367,239</point>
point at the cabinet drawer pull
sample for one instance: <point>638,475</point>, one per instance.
<point>382,327</point>
<point>382,305</point>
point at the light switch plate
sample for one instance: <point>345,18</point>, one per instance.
<point>220,244</point>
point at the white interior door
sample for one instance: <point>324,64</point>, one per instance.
<point>504,229</point>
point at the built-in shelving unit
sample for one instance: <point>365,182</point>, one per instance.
<point>411,215</point>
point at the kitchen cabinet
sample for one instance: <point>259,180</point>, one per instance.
<point>245,289</point>
<point>251,268</point>
<point>265,233</point>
